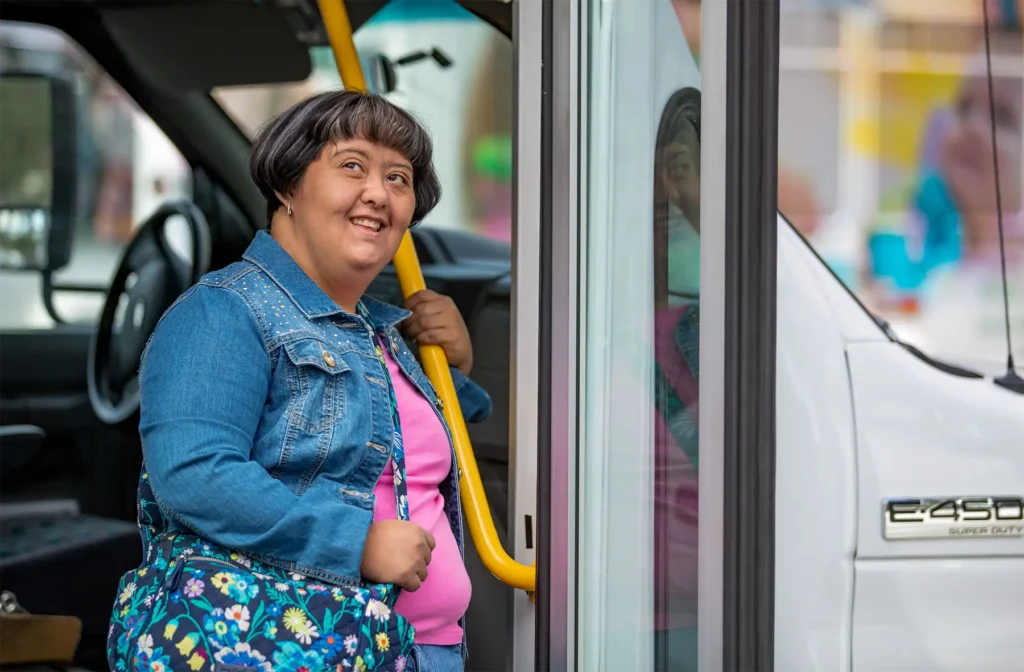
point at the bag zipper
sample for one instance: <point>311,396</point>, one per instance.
<point>171,582</point>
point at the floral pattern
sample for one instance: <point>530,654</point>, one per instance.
<point>193,605</point>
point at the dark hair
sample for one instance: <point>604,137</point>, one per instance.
<point>286,146</point>
<point>680,122</point>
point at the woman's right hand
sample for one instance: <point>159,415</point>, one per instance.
<point>397,551</point>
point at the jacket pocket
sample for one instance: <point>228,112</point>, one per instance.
<point>316,379</point>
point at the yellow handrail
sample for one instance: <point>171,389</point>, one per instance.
<point>435,363</point>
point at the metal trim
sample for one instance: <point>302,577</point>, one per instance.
<point>557,393</point>
<point>526,289</point>
<point>712,336</point>
<point>751,229</point>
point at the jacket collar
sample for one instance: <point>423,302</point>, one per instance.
<point>272,259</point>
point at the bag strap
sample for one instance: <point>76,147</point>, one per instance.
<point>397,446</point>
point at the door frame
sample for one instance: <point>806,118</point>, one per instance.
<point>751,234</point>
<point>737,332</point>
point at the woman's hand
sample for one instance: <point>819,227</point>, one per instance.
<point>397,551</point>
<point>436,321</point>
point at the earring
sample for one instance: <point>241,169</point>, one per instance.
<point>288,209</point>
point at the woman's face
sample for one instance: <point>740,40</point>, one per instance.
<point>352,207</point>
<point>681,179</point>
<point>966,157</point>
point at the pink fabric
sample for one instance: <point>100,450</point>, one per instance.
<point>675,492</point>
<point>435,609</point>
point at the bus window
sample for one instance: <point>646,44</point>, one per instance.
<point>640,466</point>
<point>897,191</point>
<point>449,68</point>
<point>125,168</point>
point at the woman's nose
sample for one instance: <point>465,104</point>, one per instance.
<point>374,192</point>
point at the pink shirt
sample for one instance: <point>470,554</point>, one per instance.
<point>675,491</point>
<point>435,609</point>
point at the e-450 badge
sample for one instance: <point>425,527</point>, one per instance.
<point>953,517</point>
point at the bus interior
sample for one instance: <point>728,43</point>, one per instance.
<point>68,477</point>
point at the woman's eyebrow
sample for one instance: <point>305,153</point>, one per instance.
<point>344,149</point>
<point>350,150</point>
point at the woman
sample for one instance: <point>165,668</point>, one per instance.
<point>276,399</point>
<point>935,251</point>
<point>676,367</point>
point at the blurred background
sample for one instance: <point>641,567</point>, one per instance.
<point>884,144</point>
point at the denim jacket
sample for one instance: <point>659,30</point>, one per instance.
<point>265,420</point>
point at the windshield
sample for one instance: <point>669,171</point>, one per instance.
<point>895,193</point>
<point>450,69</point>
<point>886,164</point>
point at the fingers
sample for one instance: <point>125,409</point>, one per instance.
<point>413,583</point>
<point>433,337</point>
<point>422,298</point>
<point>428,551</point>
<point>416,578</point>
<point>419,323</point>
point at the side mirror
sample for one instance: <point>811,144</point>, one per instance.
<point>38,171</point>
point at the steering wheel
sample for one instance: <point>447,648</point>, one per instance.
<point>149,278</point>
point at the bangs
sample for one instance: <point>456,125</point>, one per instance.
<point>378,121</point>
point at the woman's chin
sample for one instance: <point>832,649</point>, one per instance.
<point>369,262</point>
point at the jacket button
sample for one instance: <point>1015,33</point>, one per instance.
<point>329,359</point>
<point>440,403</point>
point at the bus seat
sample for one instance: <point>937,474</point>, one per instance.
<point>56,561</point>
<point>61,563</point>
<point>18,443</point>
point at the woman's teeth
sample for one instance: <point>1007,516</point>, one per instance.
<point>367,223</point>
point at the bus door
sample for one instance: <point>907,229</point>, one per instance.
<point>643,254</point>
<point>647,224</point>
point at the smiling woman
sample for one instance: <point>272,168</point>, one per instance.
<point>305,420</point>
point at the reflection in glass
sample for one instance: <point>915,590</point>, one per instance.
<point>451,69</point>
<point>26,148</point>
<point>638,497</point>
<point>676,370</point>
<point>23,234</point>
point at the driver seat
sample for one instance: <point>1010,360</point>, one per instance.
<point>57,561</point>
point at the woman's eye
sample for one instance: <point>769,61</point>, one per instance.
<point>398,177</point>
<point>351,165</point>
<point>679,170</point>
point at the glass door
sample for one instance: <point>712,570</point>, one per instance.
<point>657,231</point>
<point>639,475</point>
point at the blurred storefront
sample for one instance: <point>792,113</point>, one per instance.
<point>884,117</point>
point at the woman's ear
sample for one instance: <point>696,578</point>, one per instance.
<point>286,201</point>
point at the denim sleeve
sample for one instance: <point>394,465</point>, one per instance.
<point>474,400</point>
<point>204,379</point>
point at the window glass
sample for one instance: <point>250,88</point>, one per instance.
<point>897,189</point>
<point>638,555</point>
<point>449,68</point>
<point>125,167</point>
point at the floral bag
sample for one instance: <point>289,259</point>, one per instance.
<point>193,605</point>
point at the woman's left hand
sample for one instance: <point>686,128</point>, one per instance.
<point>436,320</point>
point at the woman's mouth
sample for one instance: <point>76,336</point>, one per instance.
<point>374,225</point>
